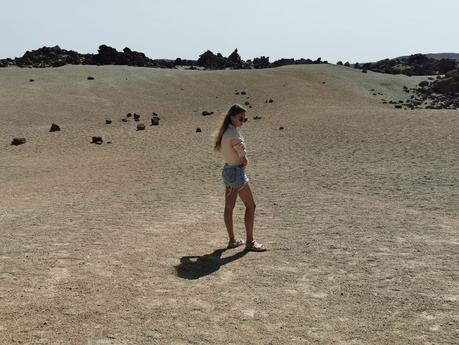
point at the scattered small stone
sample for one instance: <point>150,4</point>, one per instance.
<point>136,117</point>
<point>206,113</point>
<point>124,120</point>
<point>237,93</point>
<point>247,103</point>
<point>243,92</point>
<point>18,141</point>
<point>97,140</point>
<point>108,121</point>
<point>128,114</point>
<point>398,106</point>
<point>90,78</point>
<point>31,80</point>
<point>323,82</point>
<point>155,121</point>
<point>257,117</point>
<point>198,130</point>
<point>281,128</point>
<point>140,127</point>
<point>109,142</point>
<point>54,128</point>
<point>270,101</point>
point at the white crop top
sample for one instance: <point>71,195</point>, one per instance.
<point>232,146</point>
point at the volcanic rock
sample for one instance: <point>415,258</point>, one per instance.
<point>155,121</point>
<point>54,128</point>
<point>18,141</point>
<point>97,140</point>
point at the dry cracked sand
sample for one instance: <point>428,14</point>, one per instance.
<point>124,243</point>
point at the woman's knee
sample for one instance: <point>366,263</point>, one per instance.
<point>251,207</point>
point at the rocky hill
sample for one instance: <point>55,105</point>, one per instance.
<point>417,64</point>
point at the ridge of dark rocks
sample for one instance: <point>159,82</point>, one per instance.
<point>417,64</point>
<point>56,57</point>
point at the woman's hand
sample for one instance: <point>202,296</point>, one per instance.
<point>244,160</point>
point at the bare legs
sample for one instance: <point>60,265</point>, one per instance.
<point>230,201</point>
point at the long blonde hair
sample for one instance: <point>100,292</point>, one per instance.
<point>236,109</point>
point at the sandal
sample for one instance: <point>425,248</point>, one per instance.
<point>255,247</point>
<point>235,243</point>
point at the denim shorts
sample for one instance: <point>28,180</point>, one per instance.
<point>234,176</point>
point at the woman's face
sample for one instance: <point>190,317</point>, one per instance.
<point>238,120</point>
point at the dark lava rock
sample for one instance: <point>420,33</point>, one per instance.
<point>211,61</point>
<point>243,93</point>
<point>54,128</point>
<point>97,140</point>
<point>18,141</point>
<point>398,106</point>
<point>257,117</point>
<point>128,114</point>
<point>31,80</point>
<point>246,103</point>
<point>281,128</point>
<point>207,113</point>
<point>124,120</point>
<point>198,130</point>
<point>155,121</point>
<point>136,117</point>
<point>261,62</point>
<point>140,127</point>
<point>270,101</point>
<point>90,78</point>
<point>449,84</point>
<point>107,122</point>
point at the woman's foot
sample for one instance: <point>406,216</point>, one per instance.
<point>235,243</point>
<point>254,246</point>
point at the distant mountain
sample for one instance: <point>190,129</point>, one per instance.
<point>438,56</point>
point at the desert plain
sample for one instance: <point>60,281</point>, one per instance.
<point>124,242</point>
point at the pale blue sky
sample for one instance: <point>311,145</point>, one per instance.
<point>348,30</point>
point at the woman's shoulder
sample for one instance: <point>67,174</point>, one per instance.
<point>231,132</point>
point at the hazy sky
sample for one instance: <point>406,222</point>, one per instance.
<point>347,30</point>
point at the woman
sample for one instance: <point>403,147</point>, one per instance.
<point>230,143</point>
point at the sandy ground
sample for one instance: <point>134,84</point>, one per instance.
<point>124,243</point>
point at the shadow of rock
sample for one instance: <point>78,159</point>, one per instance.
<point>195,267</point>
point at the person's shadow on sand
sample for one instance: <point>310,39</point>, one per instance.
<point>195,267</point>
